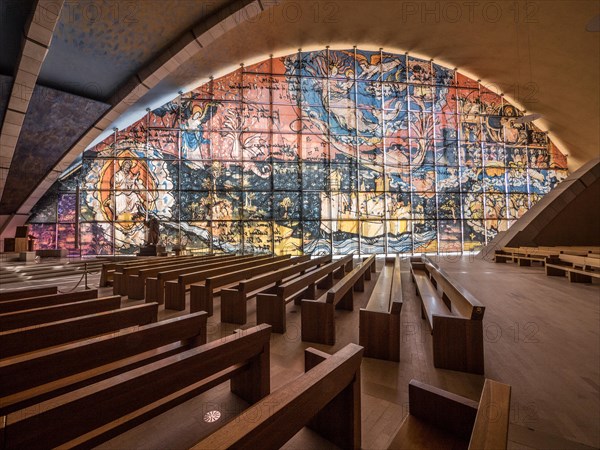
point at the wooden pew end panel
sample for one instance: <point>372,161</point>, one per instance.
<point>317,322</point>
<point>458,344</point>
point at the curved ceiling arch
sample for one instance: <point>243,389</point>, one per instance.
<point>512,48</point>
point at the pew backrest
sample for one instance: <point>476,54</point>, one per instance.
<point>446,419</point>
<point>190,262</point>
<point>36,316</point>
<point>580,261</point>
<point>337,292</point>
<point>262,280</point>
<point>29,339</point>
<point>45,367</point>
<point>260,268</point>
<point>25,293</point>
<point>291,287</point>
<point>193,276</point>
<point>46,300</point>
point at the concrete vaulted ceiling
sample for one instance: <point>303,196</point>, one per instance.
<point>103,62</point>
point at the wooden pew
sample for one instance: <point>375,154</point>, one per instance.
<point>36,316</point>
<point>175,290</point>
<point>578,250</point>
<point>326,398</point>
<point>91,415</point>
<point>234,300</point>
<point>579,269</point>
<point>46,300</point>
<point>318,316</point>
<point>28,339</point>
<point>440,419</point>
<point>155,286</point>
<point>17,294</point>
<point>505,254</point>
<point>108,268</point>
<point>121,275</point>
<point>379,321</point>
<point>136,279</point>
<point>270,308</point>
<point>527,255</point>
<point>202,292</point>
<point>454,316</point>
<point>29,379</point>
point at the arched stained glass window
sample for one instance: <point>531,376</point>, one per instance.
<point>342,151</point>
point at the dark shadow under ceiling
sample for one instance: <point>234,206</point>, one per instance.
<point>13,17</point>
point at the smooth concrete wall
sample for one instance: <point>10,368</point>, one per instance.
<point>568,215</point>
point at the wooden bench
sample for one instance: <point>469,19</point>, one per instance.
<point>202,292</point>
<point>136,279</point>
<point>326,398</point>
<point>18,294</point>
<point>505,254</point>
<point>234,300</point>
<point>579,269</point>
<point>379,321</point>
<point>175,289</point>
<point>439,419</point>
<point>527,255</point>
<point>47,300</point>
<point>29,339</point>
<point>523,256</point>
<point>155,286</point>
<point>91,415</point>
<point>578,250</point>
<point>121,275</point>
<point>29,379</point>
<point>108,268</point>
<point>270,308</point>
<point>454,316</point>
<point>318,316</point>
<point>36,316</point>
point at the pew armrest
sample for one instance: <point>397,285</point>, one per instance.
<point>491,424</point>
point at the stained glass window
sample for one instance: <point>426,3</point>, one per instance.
<point>343,151</point>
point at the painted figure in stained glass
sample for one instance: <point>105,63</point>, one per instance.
<point>130,198</point>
